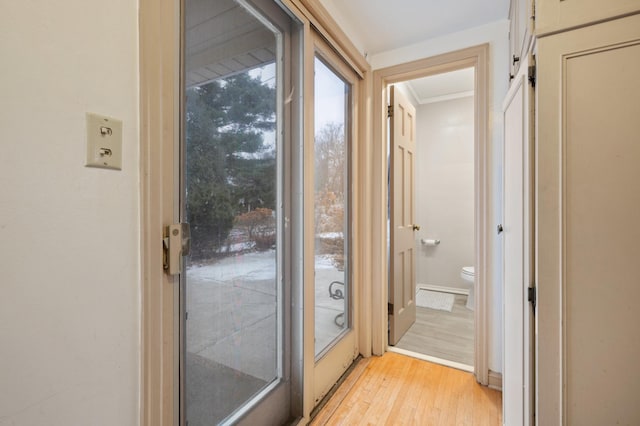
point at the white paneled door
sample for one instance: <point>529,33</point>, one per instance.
<point>588,227</point>
<point>402,286</point>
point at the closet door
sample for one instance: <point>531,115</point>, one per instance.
<point>517,239</point>
<point>588,205</point>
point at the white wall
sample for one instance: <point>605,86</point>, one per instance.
<point>69,251</point>
<point>496,34</point>
<point>444,191</point>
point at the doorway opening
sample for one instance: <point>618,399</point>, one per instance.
<point>475,58</point>
<point>442,237</point>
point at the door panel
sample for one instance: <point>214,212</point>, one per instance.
<point>403,281</point>
<point>335,91</point>
<point>553,16</point>
<point>233,292</point>
<point>517,263</point>
<point>588,203</point>
<point>332,230</point>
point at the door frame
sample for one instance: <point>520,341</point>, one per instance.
<point>159,103</point>
<point>476,57</point>
<point>159,26</point>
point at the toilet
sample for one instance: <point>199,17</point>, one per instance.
<point>468,275</point>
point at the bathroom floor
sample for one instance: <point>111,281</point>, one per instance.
<point>442,334</point>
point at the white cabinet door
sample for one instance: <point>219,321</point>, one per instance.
<point>557,15</point>
<point>588,227</point>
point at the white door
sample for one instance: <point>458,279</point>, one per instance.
<point>588,227</point>
<point>517,395</point>
<point>402,286</point>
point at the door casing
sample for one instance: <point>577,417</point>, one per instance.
<point>476,57</point>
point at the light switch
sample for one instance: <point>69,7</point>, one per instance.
<point>104,142</point>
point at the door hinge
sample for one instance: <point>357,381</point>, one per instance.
<point>532,75</point>
<point>389,111</point>
<point>390,308</point>
<point>531,296</point>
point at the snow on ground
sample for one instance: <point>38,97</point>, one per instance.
<point>330,235</point>
<point>250,267</point>
<point>324,262</point>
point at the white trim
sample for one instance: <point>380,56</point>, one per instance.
<point>411,90</point>
<point>477,57</point>
<point>448,97</point>
<point>434,99</point>
<point>443,289</point>
<point>433,359</point>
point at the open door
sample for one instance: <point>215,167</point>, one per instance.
<point>518,311</point>
<point>402,285</point>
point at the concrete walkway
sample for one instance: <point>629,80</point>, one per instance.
<point>231,333</point>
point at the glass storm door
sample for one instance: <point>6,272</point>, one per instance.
<point>233,287</point>
<point>334,317</point>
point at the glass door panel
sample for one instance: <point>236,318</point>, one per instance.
<point>233,285</point>
<point>331,178</point>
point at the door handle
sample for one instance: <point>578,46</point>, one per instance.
<point>176,244</point>
<point>416,227</point>
<point>500,229</point>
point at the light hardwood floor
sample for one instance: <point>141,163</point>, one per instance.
<point>442,334</point>
<point>398,390</point>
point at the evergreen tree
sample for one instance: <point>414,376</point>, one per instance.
<point>229,168</point>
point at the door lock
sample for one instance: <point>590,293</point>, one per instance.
<point>176,244</point>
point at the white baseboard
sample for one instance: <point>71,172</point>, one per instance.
<point>443,289</point>
<point>495,380</point>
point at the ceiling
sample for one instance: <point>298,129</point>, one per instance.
<point>442,87</point>
<point>222,38</point>
<point>380,25</point>
<point>377,26</point>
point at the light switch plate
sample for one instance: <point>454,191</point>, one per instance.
<point>104,142</point>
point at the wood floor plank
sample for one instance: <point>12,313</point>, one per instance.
<point>398,390</point>
<point>343,390</point>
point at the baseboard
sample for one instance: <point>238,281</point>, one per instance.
<point>443,289</point>
<point>495,380</point>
